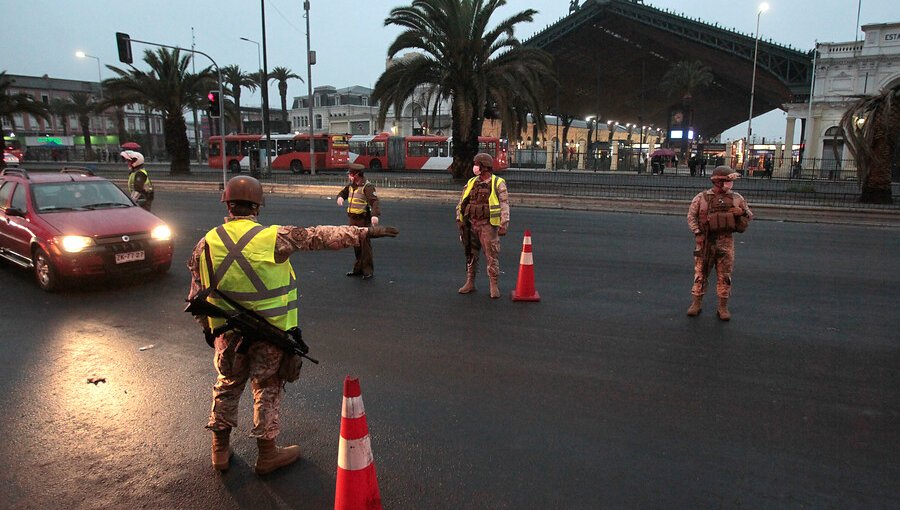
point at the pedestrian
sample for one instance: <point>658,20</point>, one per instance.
<point>251,263</point>
<point>713,217</point>
<point>703,165</point>
<point>767,165</point>
<point>139,186</point>
<point>692,165</point>
<point>482,216</point>
<point>363,210</point>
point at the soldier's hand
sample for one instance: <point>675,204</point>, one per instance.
<point>375,220</point>
<point>380,231</point>
<point>502,231</point>
<point>737,211</point>
<point>340,201</point>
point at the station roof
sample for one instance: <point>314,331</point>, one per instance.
<point>610,56</point>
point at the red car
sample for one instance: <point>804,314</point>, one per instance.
<point>73,224</point>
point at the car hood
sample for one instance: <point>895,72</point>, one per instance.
<point>102,222</point>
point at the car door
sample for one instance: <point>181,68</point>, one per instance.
<point>20,228</point>
<point>6,189</point>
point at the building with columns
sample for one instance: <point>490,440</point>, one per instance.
<point>844,71</point>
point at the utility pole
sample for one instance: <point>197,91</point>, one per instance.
<point>194,108</point>
<point>265,90</point>
<point>310,60</point>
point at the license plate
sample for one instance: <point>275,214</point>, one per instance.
<point>131,256</point>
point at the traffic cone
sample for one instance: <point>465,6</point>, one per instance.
<point>357,487</point>
<point>525,290</point>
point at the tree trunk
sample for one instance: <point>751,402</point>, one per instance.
<point>466,128</point>
<point>177,145</point>
<point>86,133</point>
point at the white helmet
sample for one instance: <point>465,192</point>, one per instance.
<point>134,158</point>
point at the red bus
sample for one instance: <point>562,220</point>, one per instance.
<point>289,152</point>
<point>416,152</point>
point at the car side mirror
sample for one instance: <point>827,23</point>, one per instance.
<point>14,211</point>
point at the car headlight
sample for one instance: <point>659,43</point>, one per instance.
<point>161,233</point>
<point>74,244</point>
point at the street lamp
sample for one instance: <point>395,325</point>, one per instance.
<point>262,89</point>
<point>310,60</point>
<point>81,54</point>
<point>763,7</point>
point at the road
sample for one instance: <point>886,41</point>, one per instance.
<point>603,395</point>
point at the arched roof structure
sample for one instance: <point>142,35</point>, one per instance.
<point>610,56</point>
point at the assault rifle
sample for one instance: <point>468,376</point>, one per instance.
<point>252,326</point>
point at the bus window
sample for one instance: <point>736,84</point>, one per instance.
<point>320,145</point>
<point>358,148</point>
<point>376,149</point>
<point>214,149</point>
<point>416,149</point>
<point>488,147</point>
<point>283,146</point>
<point>232,148</point>
<point>443,149</point>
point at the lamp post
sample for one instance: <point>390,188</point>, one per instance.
<point>81,54</point>
<point>763,7</point>
<point>262,83</point>
<point>310,60</point>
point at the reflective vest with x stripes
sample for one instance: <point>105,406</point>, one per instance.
<point>243,262</point>
<point>148,187</point>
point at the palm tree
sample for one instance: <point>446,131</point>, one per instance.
<point>61,108</point>
<point>683,79</point>
<point>11,104</point>
<point>871,127</point>
<point>473,66</point>
<point>168,88</point>
<point>83,105</point>
<point>237,79</point>
<point>282,75</point>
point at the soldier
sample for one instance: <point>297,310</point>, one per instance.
<point>251,263</point>
<point>139,186</point>
<point>713,216</point>
<point>363,210</point>
<point>482,216</point>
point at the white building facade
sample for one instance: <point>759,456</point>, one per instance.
<point>843,72</point>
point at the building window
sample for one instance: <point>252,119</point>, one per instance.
<point>365,100</point>
<point>318,121</point>
<point>318,101</point>
<point>45,98</point>
<point>131,125</point>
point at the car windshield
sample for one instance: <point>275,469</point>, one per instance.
<point>78,195</point>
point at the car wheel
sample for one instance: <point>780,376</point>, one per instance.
<point>296,166</point>
<point>235,167</point>
<point>375,164</point>
<point>44,272</point>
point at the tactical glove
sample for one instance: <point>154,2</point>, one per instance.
<point>379,231</point>
<point>737,211</point>
<point>502,231</point>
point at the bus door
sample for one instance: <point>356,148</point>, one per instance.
<point>396,153</point>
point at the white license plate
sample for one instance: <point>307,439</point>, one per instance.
<point>130,256</point>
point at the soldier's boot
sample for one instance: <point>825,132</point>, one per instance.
<point>469,286</point>
<point>221,449</point>
<point>495,290</point>
<point>272,457</point>
<point>694,309</point>
<point>722,311</point>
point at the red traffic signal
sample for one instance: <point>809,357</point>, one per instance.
<point>215,105</point>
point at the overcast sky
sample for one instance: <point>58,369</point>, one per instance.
<point>349,35</point>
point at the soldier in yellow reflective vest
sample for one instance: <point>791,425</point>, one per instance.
<point>251,263</point>
<point>363,210</point>
<point>482,216</point>
<point>139,186</point>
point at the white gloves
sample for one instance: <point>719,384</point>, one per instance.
<point>340,201</point>
<point>374,221</point>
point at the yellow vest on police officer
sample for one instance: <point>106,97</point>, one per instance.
<point>356,204</point>
<point>493,200</point>
<point>148,187</point>
<point>243,262</point>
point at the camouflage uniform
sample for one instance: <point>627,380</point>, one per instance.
<point>712,248</point>
<point>475,211</point>
<point>261,362</point>
<point>364,264</point>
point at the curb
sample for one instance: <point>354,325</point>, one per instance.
<point>769,212</point>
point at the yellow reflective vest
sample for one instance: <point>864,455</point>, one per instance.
<point>493,200</point>
<point>356,201</point>
<point>148,187</point>
<point>242,253</point>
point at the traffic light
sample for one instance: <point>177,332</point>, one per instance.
<point>214,104</point>
<point>123,42</point>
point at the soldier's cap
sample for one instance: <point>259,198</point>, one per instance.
<point>355,168</point>
<point>724,173</point>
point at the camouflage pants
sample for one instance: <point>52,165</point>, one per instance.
<point>484,235</point>
<point>718,251</point>
<point>260,364</point>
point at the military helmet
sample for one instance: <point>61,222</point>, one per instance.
<point>723,173</point>
<point>484,160</point>
<point>243,188</point>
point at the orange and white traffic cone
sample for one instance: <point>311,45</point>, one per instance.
<point>357,486</point>
<point>525,290</point>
